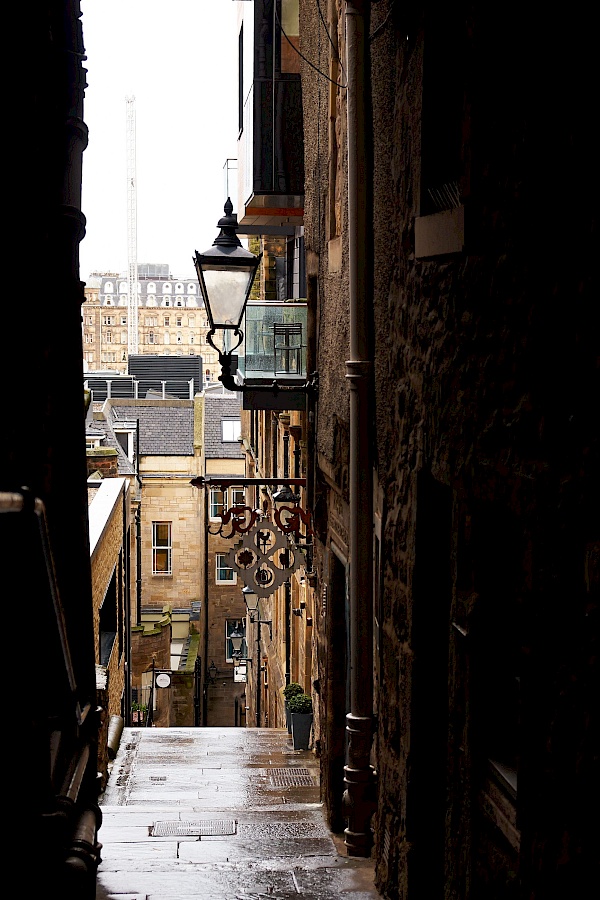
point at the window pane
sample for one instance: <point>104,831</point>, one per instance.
<point>290,37</point>
<point>217,499</point>
<point>231,429</point>
<point>161,548</point>
<point>238,497</point>
<point>223,571</point>
<point>162,534</point>
<point>161,560</point>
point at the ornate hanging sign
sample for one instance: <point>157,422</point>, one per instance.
<point>239,519</point>
<point>288,519</point>
<point>264,560</point>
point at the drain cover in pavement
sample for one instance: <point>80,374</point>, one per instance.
<point>295,770</point>
<point>288,778</point>
<point>185,829</point>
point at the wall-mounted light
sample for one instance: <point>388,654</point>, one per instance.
<point>212,672</point>
<point>251,600</point>
<point>236,636</point>
<point>226,273</point>
<point>285,497</point>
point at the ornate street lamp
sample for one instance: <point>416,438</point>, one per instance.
<point>251,600</point>
<point>212,672</point>
<point>226,272</point>
<point>236,636</point>
<point>285,497</point>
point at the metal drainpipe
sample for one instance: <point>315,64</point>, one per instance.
<point>258,685</point>
<point>286,453</point>
<point>288,631</point>
<point>138,528</point>
<point>138,563</point>
<point>127,609</point>
<point>205,604</point>
<point>287,586</point>
<point>358,773</point>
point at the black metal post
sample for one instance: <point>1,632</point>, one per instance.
<point>197,690</point>
<point>204,690</point>
<point>286,453</point>
<point>288,631</point>
<point>257,700</point>
<point>138,564</point>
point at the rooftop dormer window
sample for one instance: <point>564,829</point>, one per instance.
<point>231,430</point>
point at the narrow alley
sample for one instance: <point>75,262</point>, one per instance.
<point>220,813</point>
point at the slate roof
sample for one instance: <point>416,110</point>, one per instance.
<point>102,428</point>
<point>216,408</point>
<point>165,430</point>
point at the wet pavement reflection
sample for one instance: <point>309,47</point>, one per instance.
<point>220,813</point>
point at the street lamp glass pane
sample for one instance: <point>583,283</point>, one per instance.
<point>251,599</point>
<point>226,294</point>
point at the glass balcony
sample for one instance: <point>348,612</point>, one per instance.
<point>274,341</point>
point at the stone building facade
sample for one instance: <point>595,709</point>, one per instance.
<point>274,447</point>
<point>171,319</point>
<point>155,444</point>
<point>224,685</point>
<point>170,510</point>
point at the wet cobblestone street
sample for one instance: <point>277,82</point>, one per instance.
<point>220,813</point>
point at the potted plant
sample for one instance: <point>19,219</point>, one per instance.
<point>301,713</point>
<point>289,691</point>
<point>138,711</point>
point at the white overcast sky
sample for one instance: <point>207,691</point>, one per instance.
<point>178,58</point>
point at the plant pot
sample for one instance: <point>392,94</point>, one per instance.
<point>301,726</point>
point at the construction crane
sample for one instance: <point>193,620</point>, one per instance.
<point>132,294</point>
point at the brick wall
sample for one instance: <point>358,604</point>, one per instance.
<point>102,460</point>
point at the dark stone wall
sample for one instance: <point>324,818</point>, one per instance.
<point>485,430</point>
<point>486,376</point>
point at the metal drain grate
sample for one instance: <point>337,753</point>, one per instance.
<point>294,770</point>
<point>185,829</point>
<point>290,780</point>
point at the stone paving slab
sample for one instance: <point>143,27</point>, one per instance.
<point>253,836</point>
